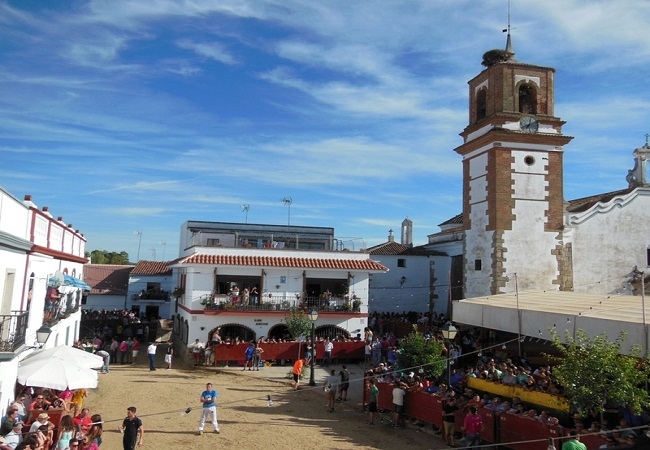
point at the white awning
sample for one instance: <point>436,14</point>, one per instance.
<point>542,311</point>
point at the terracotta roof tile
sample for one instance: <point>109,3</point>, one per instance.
<point>393,248</point>
<point>107,279</point>
<point>284,261</point>
<point>152,268</point>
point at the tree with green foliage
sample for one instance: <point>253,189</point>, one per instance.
<point>593,372</point>
<point>105,257</point>
<point>415,353</point>
<point>298,325</point>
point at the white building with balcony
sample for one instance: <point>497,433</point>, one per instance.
<point>245,278</point>
<point>38,253</point>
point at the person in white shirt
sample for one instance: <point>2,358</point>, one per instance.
<point>398,403</point>
<point>151,352</point>
<point>327,358</point>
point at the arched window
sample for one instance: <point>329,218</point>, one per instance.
<point>481,104</point>
<point>527,99</point>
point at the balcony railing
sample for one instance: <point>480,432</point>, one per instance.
<point>13,328</point>
<point>157,296</point>
<point>279,303</point>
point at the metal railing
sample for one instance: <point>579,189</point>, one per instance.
<point>13,328</point>
<point>276,303</point>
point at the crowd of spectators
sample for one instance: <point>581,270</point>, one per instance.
<point>473,356</point>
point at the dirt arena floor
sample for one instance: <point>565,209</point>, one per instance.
<point>296,419</point>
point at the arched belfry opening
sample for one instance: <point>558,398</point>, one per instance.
<point>527,98</point>
<point>481,103</point>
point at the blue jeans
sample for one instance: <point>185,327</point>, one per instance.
<point>472,440</point>
<point>152,361</point>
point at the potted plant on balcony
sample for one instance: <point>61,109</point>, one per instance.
<point>210,306</point>
<point>356,305</point>
<point>178,292</point>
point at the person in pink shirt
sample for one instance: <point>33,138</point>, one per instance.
<point>134,350</point>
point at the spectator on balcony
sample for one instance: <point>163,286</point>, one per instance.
<point>246,297</point>
<point>234,294</point>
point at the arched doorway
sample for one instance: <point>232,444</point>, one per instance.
<point>279,331</point>
<point>231,331</point>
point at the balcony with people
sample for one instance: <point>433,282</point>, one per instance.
<point>215,303</point>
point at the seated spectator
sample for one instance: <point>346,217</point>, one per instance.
<point>8,422</point>
<point>544,417</point>
<point>531,414</point>
<point>83,420</point>
<point>509,378</point>
<point>39,403</point>
<point>494,404</point>
<point>43,419</point>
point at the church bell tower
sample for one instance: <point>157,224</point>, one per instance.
<point>513,200</point>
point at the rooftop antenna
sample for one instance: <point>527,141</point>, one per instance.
<point>164,244</point>
<point>246,208</point>
<point>509,48</point>
<point>139,235</point>
<point>287,202</point>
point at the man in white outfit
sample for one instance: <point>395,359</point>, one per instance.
<point>208,398</point>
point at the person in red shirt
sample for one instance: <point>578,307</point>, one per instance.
<point>473,426</point>
<point>83,420</point>
<point>135,349</point>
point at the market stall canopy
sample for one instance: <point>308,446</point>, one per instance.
<point>72,355</point>
<point>68,280</point>
<point>534,314</point>
<point>55,373</point>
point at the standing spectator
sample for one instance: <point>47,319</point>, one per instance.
<point>331,386</point>
<point>197,348</point>
<point>473,426</point>
<point>107,360</point>
<point>208,398</point>
<point>345,384</point>
<point>66,432</point>
<point>398,403</point>
<point>574,442</point>
<point>297,371</point>
<point>169,354</point>
<point>327,357</point>
<point>19,405</point>
<point>129,349</point>
<point>257,356</point>
<point>376,352</point>
<point>151,352</point>
<point>135,349</point>
<point>133,432</point>
<point>248,356</point>
<point>77,401</point>
<point>124,349</point>
<point>367,355</point>
<point>449,408</point>
<point>374,399</point>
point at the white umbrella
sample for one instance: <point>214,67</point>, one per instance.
<point>69,354</point>
<point>55,373</point>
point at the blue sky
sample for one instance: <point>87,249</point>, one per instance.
<point>126,116</point>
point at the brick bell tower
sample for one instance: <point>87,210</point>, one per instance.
<point>512,179</point>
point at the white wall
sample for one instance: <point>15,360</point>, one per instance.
<point>608,241</point>
<point>388,294</point>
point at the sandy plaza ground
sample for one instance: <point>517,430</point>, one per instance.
<point>296,419</point>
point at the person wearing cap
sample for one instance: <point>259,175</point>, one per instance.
<point>14,437</point>
<point>43,419</point>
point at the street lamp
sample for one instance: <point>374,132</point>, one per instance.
<point>313,317</point>
<point>42,335</point>
<point>449,332</point>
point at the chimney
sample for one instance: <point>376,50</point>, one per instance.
<point>391,238</point>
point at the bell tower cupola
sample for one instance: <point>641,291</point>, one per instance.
<point>512,154</point>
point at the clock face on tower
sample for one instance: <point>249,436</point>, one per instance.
<point>528,124</point>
